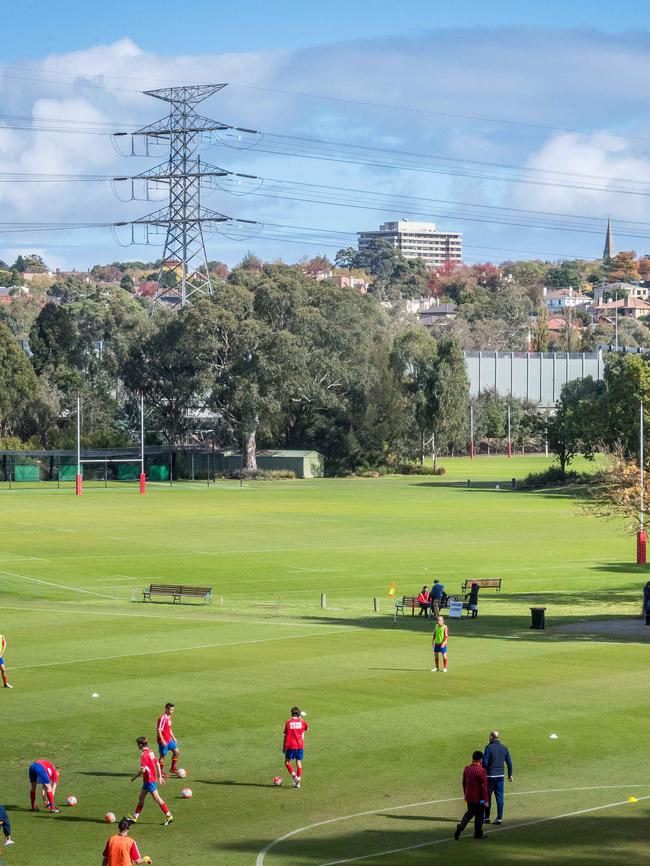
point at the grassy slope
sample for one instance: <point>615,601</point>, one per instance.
<point>386,732</point>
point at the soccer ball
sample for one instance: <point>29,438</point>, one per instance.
<point>277,781</point>
<point>72,801</point>
<point>186,793</point>
<point>109,817</point>
<point>181,773</point>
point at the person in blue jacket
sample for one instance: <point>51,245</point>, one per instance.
<point>495,755</point>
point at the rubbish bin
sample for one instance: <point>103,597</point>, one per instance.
<point>538,617</point>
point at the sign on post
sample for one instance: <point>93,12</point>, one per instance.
<point>455,609</point>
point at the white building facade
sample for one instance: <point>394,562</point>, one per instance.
<point>417,240</point>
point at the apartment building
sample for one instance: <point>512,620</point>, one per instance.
<point>417,240</point>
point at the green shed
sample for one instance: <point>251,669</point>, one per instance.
<point>306,464</point>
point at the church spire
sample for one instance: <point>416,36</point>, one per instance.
<point>608,252</point>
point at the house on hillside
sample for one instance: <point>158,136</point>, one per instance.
<point>558,300</point>
<point>634,308</point>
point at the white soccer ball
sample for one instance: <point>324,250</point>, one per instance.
<point>277,781</point>
<point>181,773</point>
<point>94,695</point>
<point>186,793</point>
<point>552,736</point>
<point>303,713</point>
<point>109,817</point>
<point>72,801</point>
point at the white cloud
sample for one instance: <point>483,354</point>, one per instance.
<point>551,78</point>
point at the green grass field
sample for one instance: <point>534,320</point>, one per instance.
<point>388,738</point>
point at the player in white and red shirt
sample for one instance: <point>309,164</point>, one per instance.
<point>151,778</point>
<point>293,744</point>
<point>3,670</point>
<point>43,773</point>
<point>167,742</point>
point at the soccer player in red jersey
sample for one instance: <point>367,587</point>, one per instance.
<point>167,742</point>
<point>151,778</point>
<point>293,744</point>
<point>46,774</point>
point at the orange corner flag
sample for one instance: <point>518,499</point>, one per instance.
<point>392,590</point>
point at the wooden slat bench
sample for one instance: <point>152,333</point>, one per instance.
<point>483,582</point>
<point>406,602</point>
<point>178,591</point>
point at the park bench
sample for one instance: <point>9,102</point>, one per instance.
<point>406,602</point>
<point>483,582</point>
<point>470,602</point>
<point>178,592</point>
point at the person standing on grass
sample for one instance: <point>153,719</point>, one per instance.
<point>423,601</point>
<point>495,756</point>
<point>475,789</point>
<point>435,597</point>
<point>293,744</point>
<point>122,851</point>
<point>151,777</point>
<point>46,774</point>
<point>439,643</point>
<point>6,826</point>
<point>167,742</point>
<point>3,670</point>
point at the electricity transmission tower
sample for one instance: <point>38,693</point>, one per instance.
<point>184,270</point>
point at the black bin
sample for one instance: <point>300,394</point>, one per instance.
<point>538,617</point>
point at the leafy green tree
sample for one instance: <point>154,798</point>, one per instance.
<point>542,336</point>
<point>627,382</point>
<point>21,407</point>
<point>54,339</point>
<point>435,387</point>
<point>162,361</point>
<point>575,427</point>
<point>127,283</point>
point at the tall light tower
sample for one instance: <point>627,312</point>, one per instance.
<point>184,270</point>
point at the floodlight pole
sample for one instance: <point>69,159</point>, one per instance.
<point>78,478</point>
<point>471,432</point>
<point>509,436</point>
<point>143,484</point>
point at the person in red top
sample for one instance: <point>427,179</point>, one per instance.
<point>293,744</point>
<point>46,774</point>
<point>475,788</point>
<point>151,778</point>
<point>423,601</point>
<point>167,742</point>
<point>122,851</point>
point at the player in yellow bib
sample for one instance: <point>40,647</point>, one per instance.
<point>439,644</point>
<point>3,670</point>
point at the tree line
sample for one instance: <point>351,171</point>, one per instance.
<point>275,358</point>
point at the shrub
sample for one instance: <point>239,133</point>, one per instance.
<point>281,473</point>
<point>248,474</point>
<point>418,469</point>
<point>552,477</point>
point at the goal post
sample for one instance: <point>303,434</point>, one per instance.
<point>103,470</point>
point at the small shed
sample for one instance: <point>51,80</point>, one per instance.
<point>306,464</point>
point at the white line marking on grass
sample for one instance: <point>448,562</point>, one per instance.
<point>500,830</point>
<point>273,844</point>
<point>58,585</point>
<point>59,529</point>
<point>190,618</point>
<point>176,650</point>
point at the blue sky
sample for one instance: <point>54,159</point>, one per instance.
<point>214,25</point>
<point>523,128</point>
